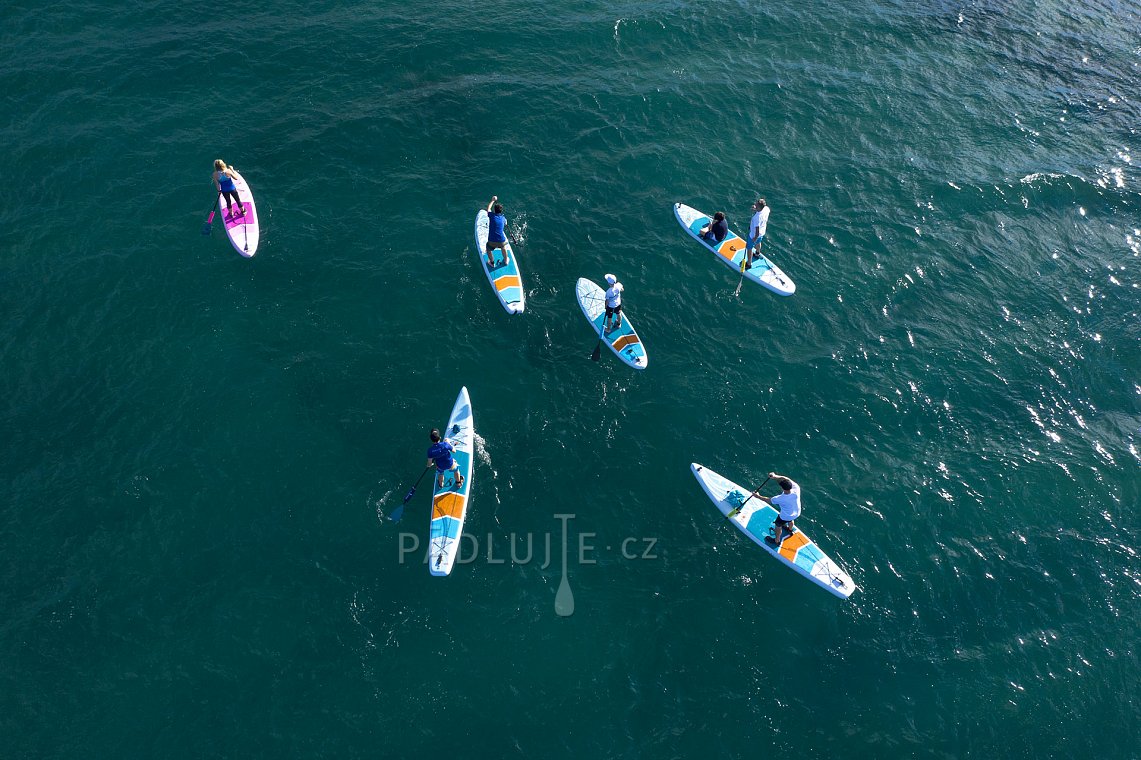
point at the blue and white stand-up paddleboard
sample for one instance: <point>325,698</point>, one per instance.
<point>505,278</point>
<point>755,519</point>
<point>624,341</point>
<point>731,252</point>
<point>449,504</point>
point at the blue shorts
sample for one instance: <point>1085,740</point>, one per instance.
<point>455,466</point>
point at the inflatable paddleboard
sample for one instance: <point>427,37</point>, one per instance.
<point>243,230</point>
<point>731,251</point>
<point>624,341</point>
<point>755,519</point>
<point>449,504</point>
<point>505,278</point>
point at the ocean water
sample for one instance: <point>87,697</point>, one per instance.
<point>200,453</point>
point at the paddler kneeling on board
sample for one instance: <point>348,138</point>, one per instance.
<point>496,231</point>
<point>613,303</point>
<point>440,454</point>
<point>787,503</point>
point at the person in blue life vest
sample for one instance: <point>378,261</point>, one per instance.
<point>224,181</point>
<point>613,303</point>
<point>716,231</point>
<point>787,503</point>
<point>496,231</point>
<point>757,228</point>
<point>440,454</point>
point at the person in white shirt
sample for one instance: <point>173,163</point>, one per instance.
<point>787,503</point>
<point>757,228</point>
<point>613,303</point>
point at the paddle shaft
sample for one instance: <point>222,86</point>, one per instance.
<point>598,346</point>
<point>746,501</point>
<point>210,219</point>
<point>399,511</point>
<point>412,490</point>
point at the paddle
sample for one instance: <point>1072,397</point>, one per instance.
<point>598,346</point>
<point>210,219</point>
<point>735,510</point>
<point>745,258</point>
<point>399,511</point>
<point>744,261</point>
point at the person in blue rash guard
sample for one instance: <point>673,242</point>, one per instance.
<point>496,231</point>
<point>440,454</point>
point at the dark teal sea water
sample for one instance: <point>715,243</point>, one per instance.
<point>199,452</point>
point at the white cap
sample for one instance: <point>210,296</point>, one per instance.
<point>611,279</point>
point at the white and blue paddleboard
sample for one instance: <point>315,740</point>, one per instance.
<point>624,340</point>
<point>449,504</point>
<point>505,278</point>
<point>731,252</point>
<point>755,519</point>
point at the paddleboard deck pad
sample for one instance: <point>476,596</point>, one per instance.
<point>243,230</point>
<point>505,278</point>
<point>731,252</point>
<point>624,340</point>
<point>756,518</point>
<point>449,504</point>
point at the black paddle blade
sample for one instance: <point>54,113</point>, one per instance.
<point>207,227</point>
<point>597,352</point>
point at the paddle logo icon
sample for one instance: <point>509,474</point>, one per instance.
<point>534,548</point>
<point>564,598</point>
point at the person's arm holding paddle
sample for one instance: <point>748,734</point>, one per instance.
<point>772,475</point>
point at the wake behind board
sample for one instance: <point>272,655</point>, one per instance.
<point>243,229</point>
<point>449,504</point>
<point>505,278</point>
<point>731,252</point>
<point>624,341</point>
<point>755,519</point>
